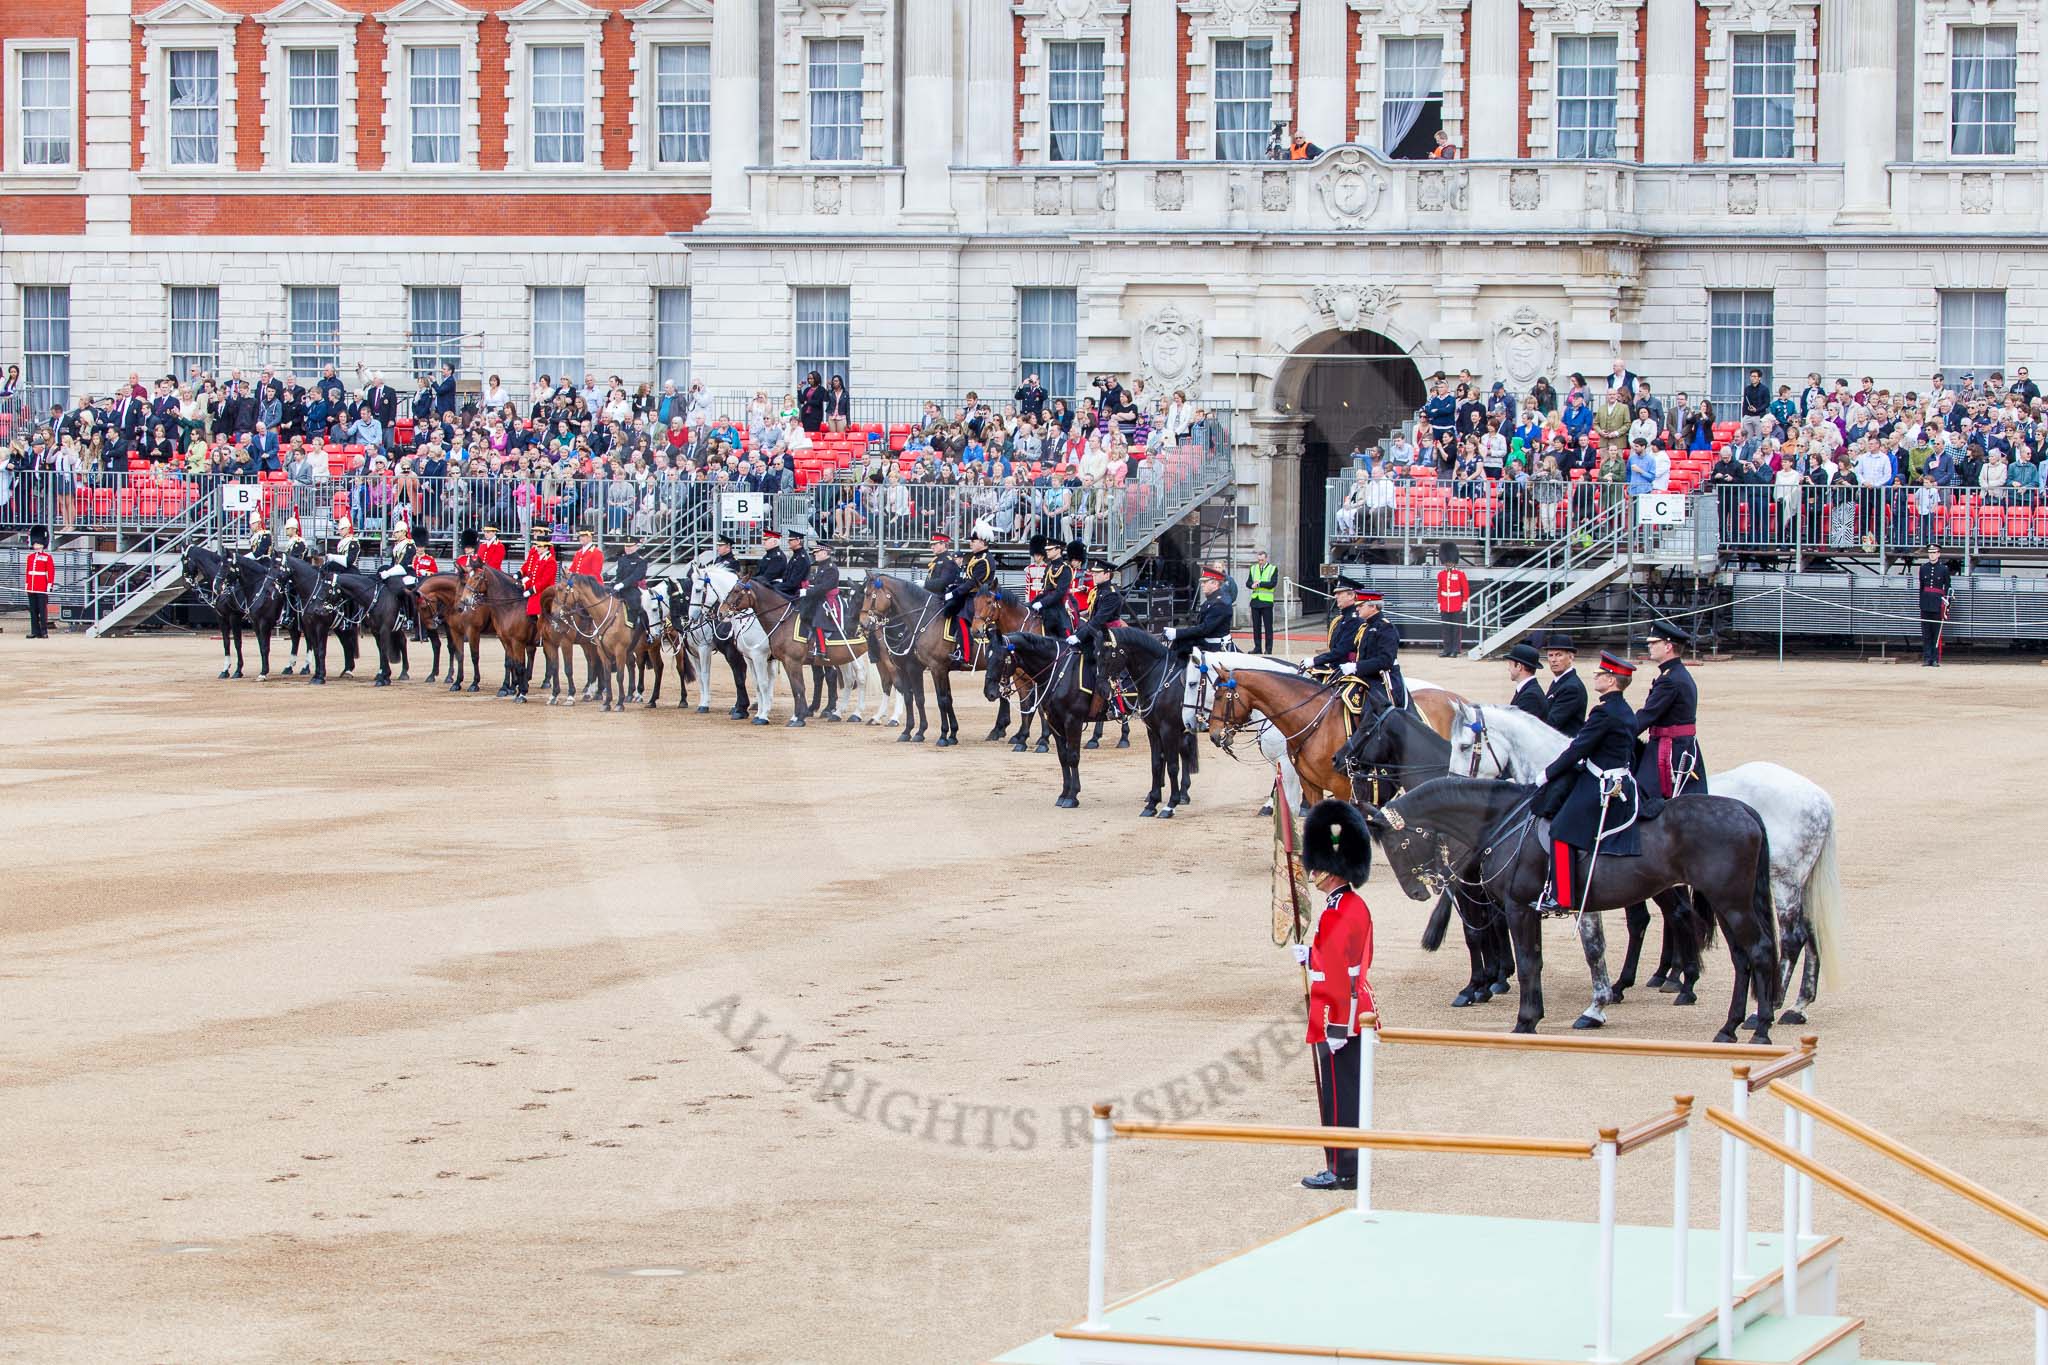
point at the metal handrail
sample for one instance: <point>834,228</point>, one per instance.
<point>1539,1042</point>
<point>1377,1140</point>
<point>1503,598</point>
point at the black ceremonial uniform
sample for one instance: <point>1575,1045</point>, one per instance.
<point>1208,629</point>
<point>797,572</point>
<point>1934,591</point>
<point>261,545</point>
<point>1379,664</point>
<point>629,571</point>
<point>1053,599</point>
<point>774,564</point>
<point>342,558</point>
<point>1570,794</point>
<point>1671,762</point>
<point>820,583</point>
<point>1344,632</point>
<point>1564,706</point>
<point>1528,698</point>
<point>944,579</point>
<point>728,560</point>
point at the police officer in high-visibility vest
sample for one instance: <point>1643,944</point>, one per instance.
<point>1453,592</point>
<point>1261,581</point>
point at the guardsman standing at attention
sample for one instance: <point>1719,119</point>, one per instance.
<point>1336,850</point>
<point>1262,581</point>
<point>589,559</point>
<point>1523,661</point>
<point>1668,720</point>
<point>38,576</point>
<point>1564,705</point>
<point>1589,792</point>
<point>492,550</point>
<point>1934,602</point>
<point>1453,593</point>
<point>1051,601</point>
<point>774,559</point>
<point>537,571</point>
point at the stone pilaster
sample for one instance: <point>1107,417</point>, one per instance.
<point>735,106</point>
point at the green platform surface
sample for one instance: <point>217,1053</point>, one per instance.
<point>1514,1289</point>
<point>1772,1339</point>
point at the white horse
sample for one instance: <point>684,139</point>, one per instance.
<point>709,584</point>
<point>1799,817</point>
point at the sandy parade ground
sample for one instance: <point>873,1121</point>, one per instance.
<point>350,1024</point>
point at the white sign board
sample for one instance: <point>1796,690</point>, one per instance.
<point>1661,509</point>
<point>745,506</point>
<point>241,497</point>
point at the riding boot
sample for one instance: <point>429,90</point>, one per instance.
<point>1557,893</point>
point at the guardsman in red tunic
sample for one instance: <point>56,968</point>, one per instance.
<point>537,571</point>
<point>589,559</point>
<point>1453,594</point>
<point>1336,850</point>
<point>1083,588</point>
<point>465,551</point>
<point>492,550</point>
<point>38,576</point>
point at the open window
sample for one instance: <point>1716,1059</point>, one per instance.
<point>1412,97</point>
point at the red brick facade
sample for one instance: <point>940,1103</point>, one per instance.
<point>494,52</point>
<point>392,215</point>
<point>248,96</point>
<point>617,48</point>
<point>53,215</point>
<point>370,95</point>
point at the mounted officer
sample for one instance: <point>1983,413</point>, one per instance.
<point>947,581</point>
<point>346,551</point>
<point>259,545</point>
<point>1589,792</point>
<point>1564,706</point>
<point>722,555</point>
<point>774,559</point>
<point>294,543</point>
<point>1523,661</point>
<point>1105,609</point>
<point>819,585</point>
<point>1345,624</point>
<point>1668,720</point>
<point>798,571</point>
<point>1209,628</point>
<point>628,574</point>
<point>1051,601</point>
<point>1376,662</point>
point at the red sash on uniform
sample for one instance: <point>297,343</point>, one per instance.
<point>1664,734</point>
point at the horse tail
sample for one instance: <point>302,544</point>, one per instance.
<point>1439,922</point>
<point>1760,895</point>
<point>1702,917</point>
<point>1823,902</point>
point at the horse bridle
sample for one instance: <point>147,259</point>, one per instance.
<point>1231,731</point>
<point>1482,741</point>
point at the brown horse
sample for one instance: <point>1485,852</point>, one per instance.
<point>1309,714</point>
<point>558,644</point>
<point>441,614</point>
<point>997,614</point>
<point>778,618</point>
<point>500,595</point>
<point>595,616</point>
<point>911,625</point>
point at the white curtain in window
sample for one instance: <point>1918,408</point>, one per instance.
<point>672,337</point>
<point>1412,72</point>
<point>195,107</point>
<point>558,333</point>
<point>195,331</point>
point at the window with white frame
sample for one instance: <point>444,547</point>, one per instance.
<point>1073,100</point>
<point>1047,338</point>
<point>834,76</point>
<point>1983,90</point>
<point>195,332</point>
<point>436,329</point>
<point>315,315</point>
<point>1972,329</point>
<point>824,332</point>
<point>558,105</point>
<point>1741,325</point>
<point>195,105</point>
<point>1244,98</point>
<point>1411,97</point>
<point>1587,82</point>
<point>46,345</point>
<point>1762,70</point>
<point>672,337</point>
<point>313,97</point>
<point>433,80</point>
<point>682,102</point>
<point>558,333</point>
<point>48,116</point>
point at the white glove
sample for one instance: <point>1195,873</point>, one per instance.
<point>1034,606</point>
<point>1301,953</point>
<point>1073,639</point>
<point>1170,633</point>
<point>1307,661</point>
<point>1348,670</point>
<point>1337,1045</point>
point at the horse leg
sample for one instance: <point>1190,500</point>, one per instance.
<point>1095,740</point>
<point>262,653</point>
<point>1023,737</point>
<point>660,667</point>
<point>1068,738</point>
<point>1479,984</point>
<point>1738,1002</point>
<point>226,651</point>
<point>796,694</point>
<point>1593,938</point>
<point>1151,807</point>
<point>1638,927</point>
<point>1527,930</point>
<point>399,639</point>
<point>1002,725</point>
<point>740,691</point>
<point>1682,944</point>
<point>238,649</point>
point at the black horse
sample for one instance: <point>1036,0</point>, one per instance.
<point>1054,672</point>
<point>1403,753</point>
<point>266,605</point>
<point>208,573</point>
<point>319,618</point>
<point>376,606</point>
<point>1158,679</point>
<point>1718,847</point>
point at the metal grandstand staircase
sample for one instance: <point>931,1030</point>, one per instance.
<point>150,575</point>
<point>1129,536</point>
<point>1516,601</point>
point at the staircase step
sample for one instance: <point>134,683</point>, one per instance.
<point>1804,1340</point>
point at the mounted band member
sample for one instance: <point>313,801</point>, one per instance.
<point>1105,610</point>
<point>1934,603</point>
<point>1336,850</point>
<point>465,550</point>
<point>1377,664</point>
<point>491,550</point>
<point>977,567</point>
<point>821,586</point>
<point>589,559</point>
<point>537,571</point>
<point>1209,628</point>
<point>1671,763</point>
<point>1081,591</point>
<point>294,543</point>
<point>347,550</point>
<point>945,580</point>
<point>628,574</point>
<point>1034,569</point>
<point>1051,601</point>
<point>774,559</point>
<point>1564,706</point>
<point>403,555</point>
<point>1589,792</point>
<point>1523,661</point>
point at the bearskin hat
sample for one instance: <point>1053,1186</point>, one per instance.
<point>1077,550</point>
<point>469,540</point>
<point>1038,544</point>
<point>1336,840</point>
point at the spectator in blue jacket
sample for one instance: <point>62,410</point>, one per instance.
<point>1442,410</point>
<point>1577,417</point>
<point>1642,468</point>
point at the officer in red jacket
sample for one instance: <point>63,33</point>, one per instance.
<point>589,559</point>
<point>1336,850</point>
<point>492,549</point>
<point>38,576</point>
<point>1453,592</point>
<point>537,571</point>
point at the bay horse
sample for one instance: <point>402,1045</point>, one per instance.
<point>319,618</point>
<point>1482,833</point>
<point>441,613</point>
<point>996,614</point>
<point>598,618</point>
<point>778,617</point>
<point>911,626</point>
<point>1054,670</point>
<point>504,601</point>
<point>375,606</point>
<point>1806,882</point>
<point>1156,678</point>
<point>558,644</point>
<point>206,571</point>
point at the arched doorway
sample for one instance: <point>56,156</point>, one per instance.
<point>1351,388</point>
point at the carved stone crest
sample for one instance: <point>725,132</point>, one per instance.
<point>1237,194</point>
<point>825,195</point>
<point>1169,191</point>
<point>1437,191</point>
<point>1524,347</point>
<point>1742,194</point>
<point>1045,196</point>
<point>1525,189</point>
<point>1976,194</point>
<point>1170,349</point>
<point>1583,14</point>
<point>1350,306</point>
<point>1350,186</point>
<point>1276,191</point>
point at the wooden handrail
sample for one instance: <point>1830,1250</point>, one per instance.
<point>1541,1042</point>
<point>1377,1140</point>
<point>1912,1160</point>
<point>1649,1130</point>
<point>1879,1205</point>
<point>1789,1065</point>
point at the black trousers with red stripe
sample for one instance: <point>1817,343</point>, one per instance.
<point>1337,1100</point>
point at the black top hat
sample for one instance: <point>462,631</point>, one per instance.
<point>1525,654</point>
<point>1559,640</point>
<point>1336,840</point>
<point>1669,630</point>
